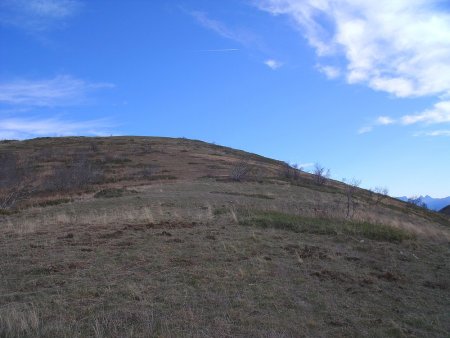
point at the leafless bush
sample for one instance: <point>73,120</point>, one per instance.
<point>15,181</point>
<point>149,171</point>
<point>93,147</point>
<point>350,188</point>
<point>146,148</point>
<point>378,194</point>
<point>321,174</point>
<point>76,175</point>
<point>416,201</point>
<point>291,171</point>
<point>240,171</point>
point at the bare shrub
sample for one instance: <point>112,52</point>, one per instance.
<point>146,148</point>
<point>15,181</point>
<point>240,171</point>
<point>76,175</point>
<point>321,174</point>
<point>378,194</point>
<point>291,171</point>
<point>350,189</point>
<point>416,201</point>
<point>93,147</point>
<point>149,171</point>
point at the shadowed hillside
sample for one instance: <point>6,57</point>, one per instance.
<point>445,210</point>
<point>147,236</point>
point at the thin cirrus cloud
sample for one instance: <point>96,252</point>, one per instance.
<point>58,91</point>
<point>439,133</point>
<point>399,47</point>
<point>22,128</point>
<point>61,91</point>
<point>37,15</point>
<point>434,133</point>
<point>242,36</point>
<point>219,50</point>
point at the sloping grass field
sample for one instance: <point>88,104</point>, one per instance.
<point>183,251</point>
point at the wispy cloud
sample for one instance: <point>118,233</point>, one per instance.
<point>384,121</point>
<point>243,37</point>
<point>37,15</point>
<point>273,64</point>
<point>329,71</point>
<point>60,90</point>
<point>23,128</point>
<point>365,130</point>
<point>306,165</point>
<point>439,113</point>
<point>435,133</point>
<point>399,47</point>
<point>238,35</point>
<point>220,50</point>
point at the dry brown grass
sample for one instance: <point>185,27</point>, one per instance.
<point>19,320</point>
<point>173,258</point>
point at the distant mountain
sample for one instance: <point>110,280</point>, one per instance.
<point>432,203</point>
<point>446,210</point>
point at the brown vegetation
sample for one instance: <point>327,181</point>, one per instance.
<point>151,237</point>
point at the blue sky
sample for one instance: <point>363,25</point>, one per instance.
<point>361,87</point>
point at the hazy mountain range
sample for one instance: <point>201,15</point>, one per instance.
<point>432,203</point>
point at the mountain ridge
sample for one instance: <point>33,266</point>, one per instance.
<point>432,203</point>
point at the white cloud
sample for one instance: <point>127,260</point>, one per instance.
<point>329,71</point>
<point>61,90</point>
<point>37,15</point>
<point>384,120</point>
<point>400,47</point>
<point>438,133</point>
<point>22,128</point>
<point>440,113</point>
<point>365,130</point>
<point>241,36</point>
<point>435,133</point>
<point>273,64</point>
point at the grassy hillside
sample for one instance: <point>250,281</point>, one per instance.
<point>140,236</point>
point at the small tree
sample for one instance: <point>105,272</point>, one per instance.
<point>291,171</point>
<point>240,171</point>
<point>321,174</point>
<point>350,188</point>
<point>378,194</point>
